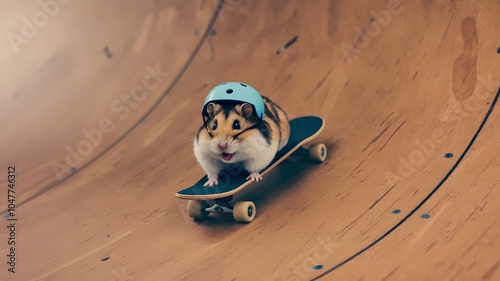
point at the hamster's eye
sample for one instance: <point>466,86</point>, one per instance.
<point>236,125</point>
<point>214,126</point>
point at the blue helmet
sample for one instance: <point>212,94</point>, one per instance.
<point>238,92</point>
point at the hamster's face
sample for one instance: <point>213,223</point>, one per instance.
<point>225,122</point>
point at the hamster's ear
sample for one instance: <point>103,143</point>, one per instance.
<point>246,110</point>
<point>211,110</point>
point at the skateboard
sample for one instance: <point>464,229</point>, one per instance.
<point>217,199</point>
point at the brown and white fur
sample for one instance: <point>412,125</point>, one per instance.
<point>254,149</point>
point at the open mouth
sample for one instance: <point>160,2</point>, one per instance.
<point>227,156</point>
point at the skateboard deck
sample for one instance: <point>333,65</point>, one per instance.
<point>302,131</point>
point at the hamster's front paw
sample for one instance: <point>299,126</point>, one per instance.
<point>212,180</point>
<point>255,176</point>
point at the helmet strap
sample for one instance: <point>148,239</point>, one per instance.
<point>254,126</point>
<point>206,127</point>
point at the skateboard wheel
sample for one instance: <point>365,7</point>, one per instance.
<point>317,152</point>
<point>244,211</point>
<point>196,209</point>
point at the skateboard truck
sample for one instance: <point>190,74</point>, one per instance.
<point>243,211</point>
<point>222,205</point>
<point>216,208</point>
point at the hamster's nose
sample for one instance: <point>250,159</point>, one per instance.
<point>223,145</point>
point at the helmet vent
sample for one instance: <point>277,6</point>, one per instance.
<point>243,85</point>
<point>229,91</point>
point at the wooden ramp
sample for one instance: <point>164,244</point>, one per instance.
<point>100,102</point>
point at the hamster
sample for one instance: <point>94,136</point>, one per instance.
<point>237,136</point>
